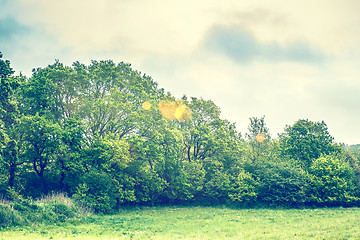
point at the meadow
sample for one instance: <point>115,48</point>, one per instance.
<point>172,222</point>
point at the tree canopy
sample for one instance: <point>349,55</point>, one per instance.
<point>107,135</point>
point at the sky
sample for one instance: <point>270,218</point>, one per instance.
<point>285,60</point>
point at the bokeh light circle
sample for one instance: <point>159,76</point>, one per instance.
<point>146,105</point>
<point>260,137</point>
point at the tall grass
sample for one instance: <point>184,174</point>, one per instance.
<point>52,208</point>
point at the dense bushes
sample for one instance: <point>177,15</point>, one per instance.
<point>332,181</point>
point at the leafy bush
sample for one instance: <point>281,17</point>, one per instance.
<point>97,192</point>
<point>238,187</point>
<point>62,211</point>
<point>10,217</point>
<point>243,188</point>
<point>281,183</point>
<point>331,180</point>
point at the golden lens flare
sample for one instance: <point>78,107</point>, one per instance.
<point>167,109</point>
<point>260,137</point>
<point>174,110</point>
<point>179,111</point>
<point>182,113</point>
<point>146,105</point>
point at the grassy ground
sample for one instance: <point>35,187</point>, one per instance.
<point>202,223</point>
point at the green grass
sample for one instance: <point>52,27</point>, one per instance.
<point>202,223</point>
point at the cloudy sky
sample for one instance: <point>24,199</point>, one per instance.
<point>287,60</point>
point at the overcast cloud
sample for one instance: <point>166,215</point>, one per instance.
<point>283,59</point>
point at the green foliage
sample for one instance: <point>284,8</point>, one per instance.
<point>96,192</point>
<point>244,188</point>
<point>42,137</point>
<point>53,92</point>
<point>306,141</point>
<point>331,180</point>
<point>49,209</point>
<point>257,152</point>
<point>9,217</point>
<point>82,130</point>
<point>236,188</point>
<point>9,119</point>
<point>281,183</point>
<point>8,86</point>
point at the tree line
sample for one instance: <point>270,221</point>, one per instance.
<point>83,130</point>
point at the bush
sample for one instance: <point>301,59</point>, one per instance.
<point>243,188</point>
<point>97,192</point>
<point>331,181</point>
<point>238,187</point>
<point>281,183</point>
<point>10,217</point>
<point>62,211</point>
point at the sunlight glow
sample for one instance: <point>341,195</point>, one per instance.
<point>146,105</point>
<point>260,137</point>
<point>174,110</point>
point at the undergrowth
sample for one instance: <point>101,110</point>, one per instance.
<point>56,207</point>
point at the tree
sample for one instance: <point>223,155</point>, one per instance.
<point>306,141</point>
<point>281,182</point>
<point>113,97</point>
<point>9,114</point>
<point>200,131</point>
<point>42,138</point>
<point>256,149</point>
<point>8,86</point>
<point>69,161</point>
<point>54,91</point>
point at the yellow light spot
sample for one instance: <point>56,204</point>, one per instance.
<point>183,113</point>
<point>260,137</point>
<point>167,109</point>
<point>179,111</point>
<point>174,110</point>
<point>146,105</point>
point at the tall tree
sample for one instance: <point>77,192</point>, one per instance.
<point>258,147</point>
<point>54,91</point>
<point>200,131</point>
<point>305,141</point>
<point>43,139</point>
<point>113,97</point>
<point>9,115</point>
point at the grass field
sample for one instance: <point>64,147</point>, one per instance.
<point>202,223</point>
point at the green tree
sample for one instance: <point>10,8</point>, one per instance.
<point>306,141</point>
<point>54,92</point>
<point>113,98</point>
<point>41,141</point>
<point>257,149</point>
<point>8,86</point>
<point>9,115</point>
<point>69,161</point>
<point>281,182</point>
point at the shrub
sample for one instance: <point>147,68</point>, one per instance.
<point>331,181</point>
<point>97,192</point>
<point>10,217</point>
<point>62,211</point>
<point>281,183</point>
<point>243,188</point>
